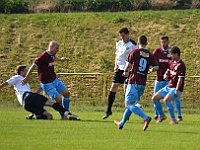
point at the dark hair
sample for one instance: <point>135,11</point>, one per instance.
<point>142,40</point>
<point>175,50</point>
<point>124,30</point>
<point>164,37</point>
<point>19,69</point>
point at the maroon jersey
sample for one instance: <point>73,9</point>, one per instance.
<point>141,59</point>
<point>177,70</point>
<point>45,63</point>
<point>163,57</point>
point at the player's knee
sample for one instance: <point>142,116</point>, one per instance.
<point>49,116</point>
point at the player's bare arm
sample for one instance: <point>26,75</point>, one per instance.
<point>179,83</point>
<point>116,66</point>
<point>60,59</point>
<point>166,75</point>
<point>127,70</point>
<point>3,85</point>
<point>30,70</point>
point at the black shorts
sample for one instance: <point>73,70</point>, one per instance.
<point>118,78</point>
<point>34,102</point>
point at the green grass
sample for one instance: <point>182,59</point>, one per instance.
<point>94,133</point>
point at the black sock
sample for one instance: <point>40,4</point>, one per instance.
<point>58,107</point>
<point>111,99</point>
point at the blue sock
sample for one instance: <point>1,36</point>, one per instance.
<point>170,109</point>
<point>177,103</point>
<point>127,114</point>
<point>66,102</point>
<point>158,106</point>
<point>155,111</point>
<point>136,110</point>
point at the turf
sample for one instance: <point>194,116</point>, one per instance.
<point>94,133</point>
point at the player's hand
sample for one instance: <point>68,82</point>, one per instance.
<point>176,93</point>
<point>116,69</point>
<point>63,58</point>
<point>24,81</point>
<point>165,77</point>
<point>150,71</point>
<point>125,74</point>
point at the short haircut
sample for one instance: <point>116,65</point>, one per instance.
<point>142,40</point>
<point>19,69</point>
<point>164,37</point>
<point>175,50</point>
<point>124,30</point>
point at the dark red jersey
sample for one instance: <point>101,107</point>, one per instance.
<point>177,70</point>
<point>163,57</point>
<point>141,59</point>
<point>45,63</point>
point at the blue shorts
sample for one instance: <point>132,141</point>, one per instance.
<point>54,88</point>
<point>159,85</point>
<point>171,91</point>
<point>133,93</point>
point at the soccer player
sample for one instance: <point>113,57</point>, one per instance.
<point>162,55</point>
<point>176,73</point>
<point>123,48</point>
<point>139,60</point>
<point>32,102</point>
<point>49,82</point>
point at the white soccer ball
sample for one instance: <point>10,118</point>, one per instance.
<point>138,105</point>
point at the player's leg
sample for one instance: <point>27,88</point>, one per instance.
<point>156,89</point>
<point>51,91</point>
<point>35,104</point>
<point>156,100</point>
<point>62,89</point>
<point>168,100</point>
<point>177,104</point>
<point>117,79</point>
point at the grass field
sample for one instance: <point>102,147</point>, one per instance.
<point>94,133</point>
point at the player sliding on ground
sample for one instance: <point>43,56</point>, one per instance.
<point>32,102</point>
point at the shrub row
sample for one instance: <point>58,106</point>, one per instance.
<point>23,6</point>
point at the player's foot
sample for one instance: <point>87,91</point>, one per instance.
<point>161,118</point>
<point>107,114</point>
<point>146,123</point>
<point>173,121</point>
<point>117,123</point>
<point>156,117</point>
<point>30,116</point>
<point>72,116</point>
<point>66,115</point>
<point>180,118</point>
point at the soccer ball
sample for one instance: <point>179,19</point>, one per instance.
<point>138,105</point>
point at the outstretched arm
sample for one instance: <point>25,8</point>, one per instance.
<point>25,80</point>
<point>4,84</point>
<point>60,59</point>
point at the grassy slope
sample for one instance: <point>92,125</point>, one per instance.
<point>88,39</point>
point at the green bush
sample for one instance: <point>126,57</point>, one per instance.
<point>13,6</point>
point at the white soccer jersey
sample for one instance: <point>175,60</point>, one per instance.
<point>122,52</point>
<point>19,89</point>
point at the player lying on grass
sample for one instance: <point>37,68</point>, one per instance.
<point>32,102</point>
